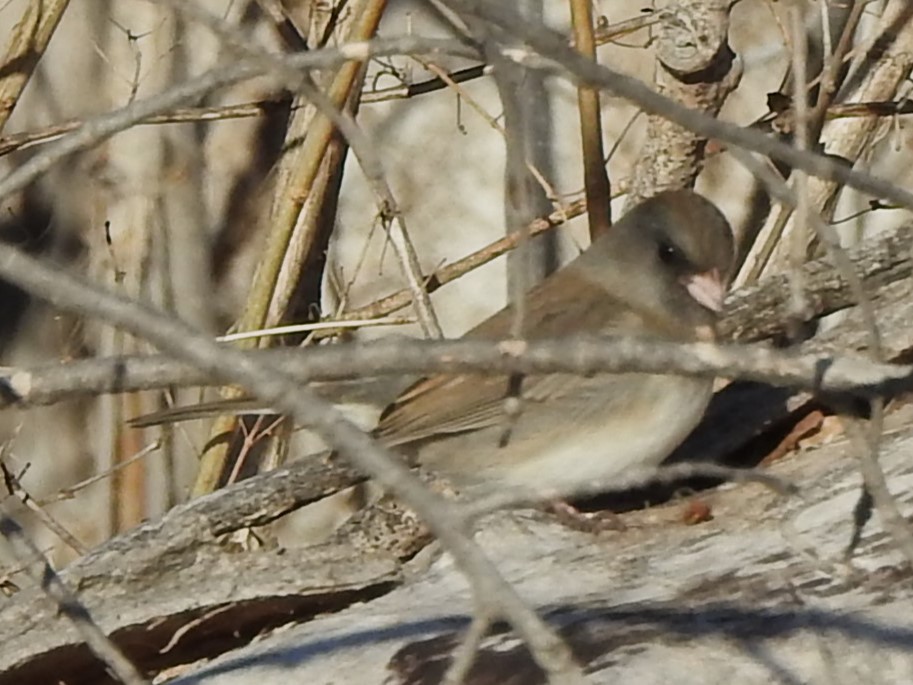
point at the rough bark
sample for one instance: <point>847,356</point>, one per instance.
<point>759,594</point>
<point>729,590</point>
<point>696,67</point>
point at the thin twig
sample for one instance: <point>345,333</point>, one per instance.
<point>181,115</point>
<point>865,439</point>
<point>299,184</point>
<point>98,129</point>
<point>327,325</point>
<point>604,33</point>
<point>550,48</point>
<point>233,366</point>
<point>102,127</point>
<point>451,272</point>
<point>832,65</point>
<point>465,652</point>
<point>14,487</point>
<point>797,303</point>
<point>70,491</point>
<point>824,372</point>
<point>865,436</point>
<point>361,147</point>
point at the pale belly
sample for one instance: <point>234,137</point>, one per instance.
<point>585,449</point>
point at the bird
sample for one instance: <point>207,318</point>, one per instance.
<point>660,272</point>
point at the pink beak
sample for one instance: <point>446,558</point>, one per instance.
<point>707,288</point>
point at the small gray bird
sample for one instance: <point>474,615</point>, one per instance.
<point>660,272</point>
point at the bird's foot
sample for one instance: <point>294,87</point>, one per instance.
<point>586,521</point>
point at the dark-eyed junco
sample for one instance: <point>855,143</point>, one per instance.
<point>660,272</point>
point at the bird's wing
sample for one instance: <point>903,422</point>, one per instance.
<point>447,403</point>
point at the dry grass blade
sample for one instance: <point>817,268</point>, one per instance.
<point>28,41</point>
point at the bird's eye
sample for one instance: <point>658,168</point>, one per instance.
<point>667,253</point>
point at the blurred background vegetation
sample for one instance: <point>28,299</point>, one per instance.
<point>180,212</point>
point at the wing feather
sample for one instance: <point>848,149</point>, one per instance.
<point>464,402</point>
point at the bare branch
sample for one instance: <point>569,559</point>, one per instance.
<point>751,314</point>
<point>233,366</point>
<point>551,48</point>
